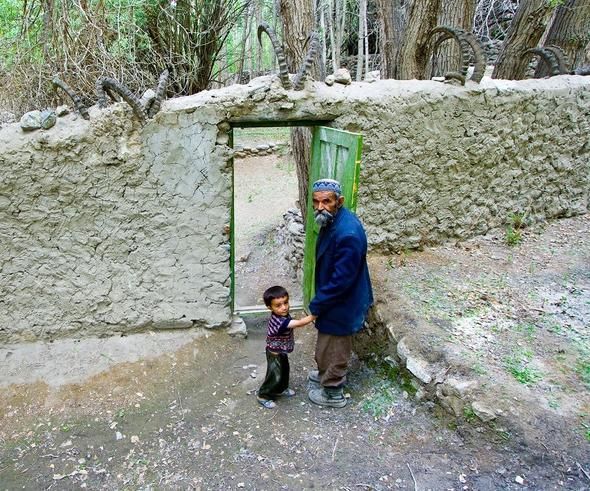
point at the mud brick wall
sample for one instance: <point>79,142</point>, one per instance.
<point>107,226</point>
<point>110,228</point>
<point>454,165</point>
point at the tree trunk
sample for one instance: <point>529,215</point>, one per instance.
<point>245,37</point>
<point>526,29</point>
<point>361,39</point>
<point>298,22</point>
<point>335,53</point>
<point>412,56</point>
<point>570,30</point>
<point>258,13</point>
<point>47,32</point>
<point>385,8</point>
<point>453,13</point>
<point>366,39</point>
<point>323,53</point>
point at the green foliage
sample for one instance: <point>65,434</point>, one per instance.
<point>469,414</point>
<point>518,365</point>
<point>527,328</point>
<point>513,236</point>
<point>380,399</point>
<point>516,222</point>
<point>583,370</point>
<point>479,368</point>
<point>385,389</point>
<point>253,136</point>
<point>555,3</point>
<point>132,41</point>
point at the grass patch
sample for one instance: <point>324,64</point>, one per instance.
<point>469,414</point>
<point>516,222</point>
<point>479,368</point>
<point>286,165</point>
<point>385,389</point>
<point>527,328</point>
<point>381,399</point>
<point>513,236</point>
<point>517,365</point>
<point>583,370</point>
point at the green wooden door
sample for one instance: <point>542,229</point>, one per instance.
<point>335,154</point>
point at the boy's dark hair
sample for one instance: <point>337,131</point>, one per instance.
<point>272,293</point>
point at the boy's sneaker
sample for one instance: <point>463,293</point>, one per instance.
<point>266,403</point>
<point>287,393</point>
<point>328,396</point>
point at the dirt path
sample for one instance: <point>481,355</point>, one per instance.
<point>267,188</point>
<point>189,420</point>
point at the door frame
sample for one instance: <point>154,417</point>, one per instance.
<point>310,123</point>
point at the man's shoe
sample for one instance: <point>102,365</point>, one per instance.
<point>314,376</point>
<point>327,396</point>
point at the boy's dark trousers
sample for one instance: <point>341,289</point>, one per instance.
<point>277,376</point>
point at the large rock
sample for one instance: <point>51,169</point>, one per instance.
<point>373,76</point>
<point>31,121</point>
<point>48,119</point>
<point>483,411</point>
<point>342,76</point>
<point>34,120</point>
<point>417,365</point>
<point>238,328</point>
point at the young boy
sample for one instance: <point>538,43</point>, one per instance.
<point>279,342</point>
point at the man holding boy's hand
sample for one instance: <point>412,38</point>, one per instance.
<point>343,292</point>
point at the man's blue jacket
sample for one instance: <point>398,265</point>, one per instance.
<point>343,292</point>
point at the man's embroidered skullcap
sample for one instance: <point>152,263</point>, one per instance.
<point>327,185</point>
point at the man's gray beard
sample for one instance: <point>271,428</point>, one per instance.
<point>323,218</point>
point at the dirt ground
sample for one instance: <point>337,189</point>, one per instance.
<point>186,417</point>
<point>189,420</point>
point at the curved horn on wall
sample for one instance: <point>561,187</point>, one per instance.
<point>479,56</point>
<point>307,62</point>
<point>80,107</point>
<point>452,33</point>
<point>154,105</point>
<point>283,70</point>
<point>469,45</point>
<point>560,57</point>
<point>108,85</point>
<point>547,56</point>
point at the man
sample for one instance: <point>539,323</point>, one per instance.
<point>343,291</point>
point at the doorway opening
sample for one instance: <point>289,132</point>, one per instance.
<point>276,250</point>
<point>267,230</point>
